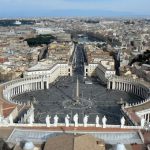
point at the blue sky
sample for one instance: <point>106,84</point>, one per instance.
<point>29,8</point>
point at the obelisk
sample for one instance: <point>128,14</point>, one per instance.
<point>77,91</point>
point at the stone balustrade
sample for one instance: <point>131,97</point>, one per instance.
<point>63,125</point>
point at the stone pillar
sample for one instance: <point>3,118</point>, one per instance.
<point>116,85</point>
<point>113,85</point>
<point>126,87</point>
<point>119,86</point>
<point>42,85</point>
<point>108,85</point>
<point>37,86</point>
<point>47,85</point>
<point>19,89</point>
<point>34,86</point>
<point>14,90</point>
<point>23,88</point>
<point>148,118</point>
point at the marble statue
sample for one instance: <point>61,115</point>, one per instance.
<point>75,119</point>
<point>31,119</point>
<point>56,120</point>
<point>142,122</point>
<point>104,120</point>
<point>67,120</point>
<point>97,121</point>
<point>25,118</point>
<point>11,119</point>
<point>22,120</point>
<point>85,120</point>
<point>47,120</point>
<point>1,119</point>
<point>122,122</point>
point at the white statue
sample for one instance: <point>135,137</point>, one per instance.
<point>25,118</point>
<point>142,122</point>
<point>122,122</point>
<point>56,120</point>
<point>47,120</point>
<point>75,119</point>
<point>1,119</point>
<point>67,120</point>
<point>11,119</point>
<point>104,120</point>
<point>97,121</point>
<point>85,120</point>
<point>22,120</point>
<point>31,120</point>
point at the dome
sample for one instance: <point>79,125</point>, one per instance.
<point>28,146</point>
<point>120,147</point>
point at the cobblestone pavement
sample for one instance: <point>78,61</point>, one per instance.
<point>105,102</point>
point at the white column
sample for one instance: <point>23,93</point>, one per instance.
<point>47,85</point>
<point>148,118</point>
<point>108,85</point>
<point>14,91</point>
<point>113,85</point>
<point>23,88</point>
<point>36,86</point>
<point>19,89</point>
<point>42,85</point>
<point>119,86</point>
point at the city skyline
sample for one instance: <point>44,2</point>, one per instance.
<point>36,8</point>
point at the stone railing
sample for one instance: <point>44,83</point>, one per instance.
<point>64,125</point>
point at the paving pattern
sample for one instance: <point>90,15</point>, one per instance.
<point>105,102</point>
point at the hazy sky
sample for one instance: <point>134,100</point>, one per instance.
<point>27,8</point>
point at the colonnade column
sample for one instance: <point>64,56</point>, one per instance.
<point>42,85</point>
<point>108,84</point>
